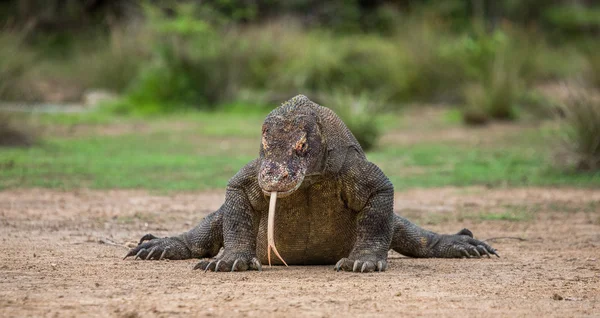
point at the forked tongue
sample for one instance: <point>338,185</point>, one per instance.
<point>271,230</point>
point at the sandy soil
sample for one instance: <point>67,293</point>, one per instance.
<point>61,255</point>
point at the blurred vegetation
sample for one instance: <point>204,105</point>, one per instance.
<point>16,130</point>
<point>202,150</point>
<point>358,113</point>
<point>484,58</point>
<point>582,136</point>
<point>168,55</point>
<point>15,58</point>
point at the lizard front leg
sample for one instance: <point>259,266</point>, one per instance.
<point>240,227</point>
<point>369,192</point>
<point>205,240</point>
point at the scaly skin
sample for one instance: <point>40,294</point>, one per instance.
<point>334,206</point>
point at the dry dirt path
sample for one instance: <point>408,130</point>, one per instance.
<point>58,259</point>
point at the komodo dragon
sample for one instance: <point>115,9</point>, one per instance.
<point>334,206</point>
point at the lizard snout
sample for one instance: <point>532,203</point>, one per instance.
<point>275,176</point>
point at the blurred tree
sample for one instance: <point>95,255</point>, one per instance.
<point>342,15</point>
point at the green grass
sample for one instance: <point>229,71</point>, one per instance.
<point>505,213</point>
<point>179,152</point>
<point>513,214</point>
<point>151,162</point>
<point>436,164</point>
<point>197,151</point>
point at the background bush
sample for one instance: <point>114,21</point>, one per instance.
<point>164,56</point>
<point>15,59</point>
<point>582,130</point>
<point>358,113</point>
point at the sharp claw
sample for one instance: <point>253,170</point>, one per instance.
<point>355,266</point>
<point>150,254</point>
<point>130,253</point>
<point>217,266</point>
<point>465,253</point>
<point>198,266</point>
<point>362,269</point>
<point>485,250</point>
<point>338,265</point>
<point>496,253</point>
<point>208,266</point>
<point>163,254</point>
<point>139,253</point>
<point>379,266</point>
<point>257,264</point>
<point>477,252</point>
<point>235,264</point>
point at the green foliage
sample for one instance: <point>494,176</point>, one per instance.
<point>187,56</point>
<point>423,70</point>
<point>582,135</point>
<point>15,59</point>
<point>502,91</point>
<point>358,113</point>
<point>196,64</point>
<point>211,68</point>
<point>111,64</point>
<point>190,65</point>
<point>474,112</point>
<point>573,18</point>
<point>476,54</point>
<point>592,58</point>
<point>499,69</point>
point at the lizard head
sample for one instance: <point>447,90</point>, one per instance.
<point>291,148</point>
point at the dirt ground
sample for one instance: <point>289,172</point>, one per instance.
<point>61,255</point>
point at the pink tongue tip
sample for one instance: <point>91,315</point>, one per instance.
<point>271,230</point>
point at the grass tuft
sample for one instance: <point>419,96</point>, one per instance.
<point>474,111</point>
<point>582,130</point>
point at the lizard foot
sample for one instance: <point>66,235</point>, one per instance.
<point>462,244</point>
<point>230,263</point>
<point>159,248</point>
<point>362,265</point>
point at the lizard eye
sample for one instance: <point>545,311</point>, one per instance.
<point>301,151</point>
<point>301,147</point>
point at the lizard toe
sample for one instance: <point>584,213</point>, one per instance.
<point>367,267</point>
<point>464,246</point>
<point>152,248</point>
<point>229,263</point>
<point>360,265</point>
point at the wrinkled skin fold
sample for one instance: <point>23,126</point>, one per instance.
<point>334,207</point>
